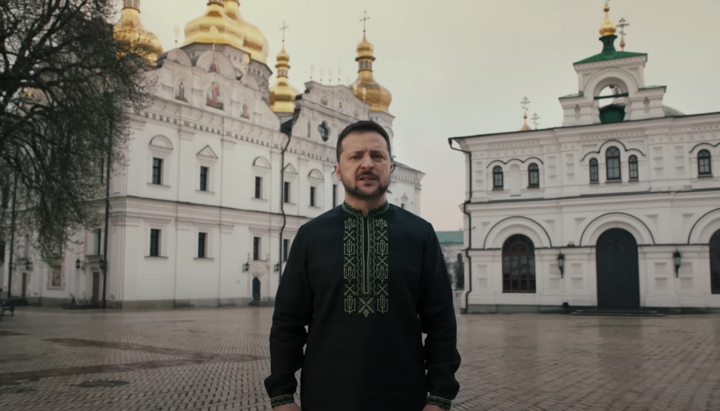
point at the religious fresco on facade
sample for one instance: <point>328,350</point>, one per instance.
<point>213,67</point>
<point>180,94</point>
<point>55,277</point>
<point>340,105</point>
<point>245,113</point>
<point>213,97</point>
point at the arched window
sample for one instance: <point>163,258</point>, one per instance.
<point>497,177</point>
<point>704,165</point>
<point>612,157</point>
<point>594,174</point>
<point>533,175</point>
<point>715,263</point>
<point>518,256</point>
<point>633,164</point>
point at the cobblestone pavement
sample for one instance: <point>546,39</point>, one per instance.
<point>216,359</point>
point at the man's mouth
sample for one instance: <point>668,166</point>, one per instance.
<point>367,178</point>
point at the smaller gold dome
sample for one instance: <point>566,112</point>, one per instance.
<point>365,87</point>
<point>608,28</point>
<point>131,30</point>
<point>525,126</point>
<point>365,49</point>
<point>282,94</point>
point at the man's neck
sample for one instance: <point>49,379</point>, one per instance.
<point>365,205</point>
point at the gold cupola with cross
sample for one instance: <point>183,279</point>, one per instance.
<point>230,29</point>
<point>365,87</point>
<point>282,94</point>
<point>130,29</point>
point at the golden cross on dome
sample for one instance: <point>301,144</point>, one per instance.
<point>284,27</point>
<point>622,24</point>
<point>364,20</point>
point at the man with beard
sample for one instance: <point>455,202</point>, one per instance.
<point>368,279</point>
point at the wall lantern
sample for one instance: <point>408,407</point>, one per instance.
<point>78,264</point>
<point>246,267</point>
<point>277,267</point>
<point>11,266</point>
<point>101,263</point>
<point>28,265</point>
<point>677,259</point>
<point>561,264</point>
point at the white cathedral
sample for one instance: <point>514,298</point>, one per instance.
<point>617,210</point>
<point>213,193</point>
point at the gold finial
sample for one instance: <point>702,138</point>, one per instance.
<point>525,103</point>
<point>177,35</point>
<point>364,20</point>
<point>622,24</point>
<point>607,28</point>
<point>214,33</point>
<point>322,72</point>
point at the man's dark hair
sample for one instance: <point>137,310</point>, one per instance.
<point>360,127</point>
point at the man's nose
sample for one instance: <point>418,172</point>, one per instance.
<point>366,162</point>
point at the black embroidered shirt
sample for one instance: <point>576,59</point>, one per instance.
<point>367,288</point>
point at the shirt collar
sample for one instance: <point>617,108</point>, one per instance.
<point>371,213</point>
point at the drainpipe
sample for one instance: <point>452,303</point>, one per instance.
<point>469,216</point>
<point>285,128</point>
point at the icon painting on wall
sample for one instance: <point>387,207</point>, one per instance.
<point>245,111</point>
<point>214,97</point>
<point>180,95</point>
<point>213,67</point>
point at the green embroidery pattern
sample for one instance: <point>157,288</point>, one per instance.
<point>366,276</point>
<point>440,402</point>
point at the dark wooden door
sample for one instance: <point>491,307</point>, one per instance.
<point>23,294</point>
<point>256,289</point>
<point>96,288</point>
<point>618,273</point>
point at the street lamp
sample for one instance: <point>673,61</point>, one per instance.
<point>677,259</point>
<point>78,264</point>
<point>561,264</point>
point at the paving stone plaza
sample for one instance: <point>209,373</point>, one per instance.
<point>216,359</point>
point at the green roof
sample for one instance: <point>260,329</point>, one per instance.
<point>610,56</point>
<point>450,237</point>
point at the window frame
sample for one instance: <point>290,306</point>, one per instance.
<point>157,166</point>
<point>204,177</point>
<point>313,195</point>
<point>155,241</point>
<point>202,244</point>
<point>715,271</point>
<point>617,167</point>
<point>533,171</point>
<point>633,168</point>
<point>704,161</point>
<point>530,266</point>
<point>498,175</point>
<point>594,170</point>
<point>258,188</point>
<point>256,248</point>
<point>287,191</point>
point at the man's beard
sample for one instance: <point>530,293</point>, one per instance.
<point>357,193</point>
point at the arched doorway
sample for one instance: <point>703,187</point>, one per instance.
<point>715,263</point>
<point>256,289</point>
<point>618,272</point>
<point>518,256</point>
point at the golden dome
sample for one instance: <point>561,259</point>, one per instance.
<point>282,94</point>
<point>525,126</point>
<point>365,87</point>
<point>253,39</point>
<point>608,28</point>
<point>131,30</point>
<point>231,30</point>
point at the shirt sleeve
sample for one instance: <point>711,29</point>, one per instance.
<point>437,315</point>
<point>293,311</point>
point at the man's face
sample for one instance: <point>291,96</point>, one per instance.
<point>365,165</point>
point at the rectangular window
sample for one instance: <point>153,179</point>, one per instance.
<point>203,178</point>
<point>334,195</point>
<point>613,169</point>
<point>633,170</point>
<point>286,249</point>
<point>154,243</point>
<point>286,192</point>
<point>256,248</point>
<point>157,171</point>
<point>312,196</point>
<point>202,245</point>
<point>97,234</point>
<point>258,187</point>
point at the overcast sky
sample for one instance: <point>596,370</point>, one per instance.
<point>461,67</point>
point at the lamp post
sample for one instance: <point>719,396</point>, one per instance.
<point>561,264</point>
<point>677,259</point>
